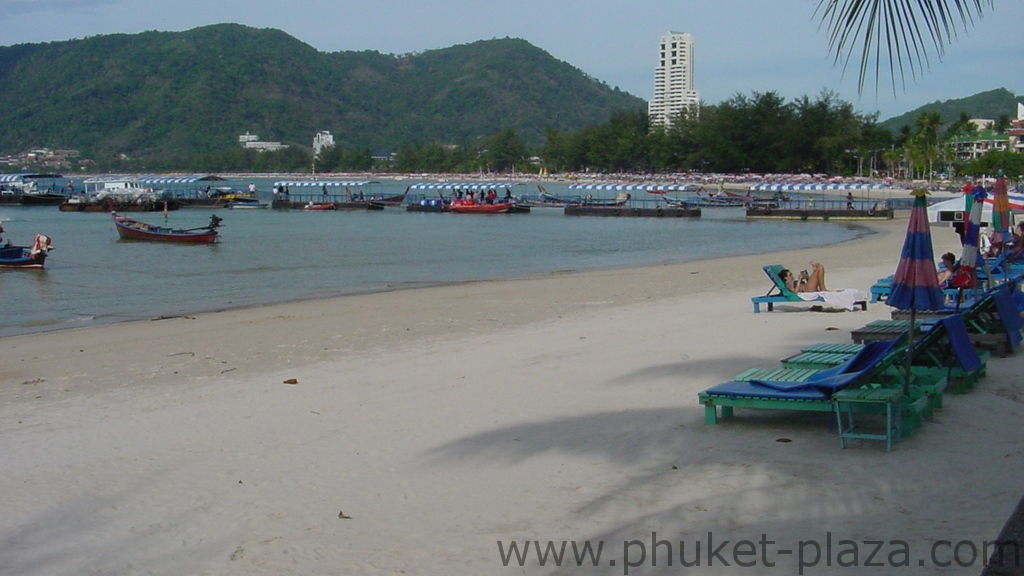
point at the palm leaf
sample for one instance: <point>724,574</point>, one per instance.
<point>906,33</point>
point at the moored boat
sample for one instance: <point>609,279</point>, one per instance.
<point>461,206</point>
<point>319,206</point>
<point>24,256</point>
<point>118,194</point>
<point>129,229</point>
<point>246,204</point>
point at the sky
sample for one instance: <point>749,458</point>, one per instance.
<point>741,47</point>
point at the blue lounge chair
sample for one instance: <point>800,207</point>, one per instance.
<point>779,292</point>
<point>880,289</point>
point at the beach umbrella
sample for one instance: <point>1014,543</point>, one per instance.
<point>915,286</point>
<point>1000,212</point>
<point>966,276</point>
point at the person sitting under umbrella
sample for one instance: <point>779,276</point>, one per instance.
<point>946,270</point>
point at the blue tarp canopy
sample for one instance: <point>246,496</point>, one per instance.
<point>815,187</point>
<point>182,179</point>
<point>26,176</point>
<point>322,183</point>
<point>646,187</point>
<point>461,185</point>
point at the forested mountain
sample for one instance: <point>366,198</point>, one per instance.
<point>179,94</point>
<point>990,105</point>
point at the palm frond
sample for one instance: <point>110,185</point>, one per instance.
<point>906,33</point>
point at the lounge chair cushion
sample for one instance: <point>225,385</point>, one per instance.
<point>820,386</point>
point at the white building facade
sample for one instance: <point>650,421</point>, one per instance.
<point>673,80</point>
<point>253,142</point>
<point>323,139</point>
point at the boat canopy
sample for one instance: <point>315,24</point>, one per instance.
<point>182,179</point>
<point>815,187</point>
<point>5,178</point>
<point>322,183</point>
<point>644,187</point>
<point>462,185</point>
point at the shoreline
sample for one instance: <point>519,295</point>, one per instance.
<point>863,230</point>
<point>560,287</point>
<point>409,431</point>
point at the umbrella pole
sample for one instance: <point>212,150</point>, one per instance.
<point>910,352</point>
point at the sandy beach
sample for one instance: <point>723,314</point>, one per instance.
<point>425,431</point>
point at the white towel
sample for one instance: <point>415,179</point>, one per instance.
<point>844,298</point>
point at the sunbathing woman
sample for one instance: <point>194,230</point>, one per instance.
<point>812,281</point>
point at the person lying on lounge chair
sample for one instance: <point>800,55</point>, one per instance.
<point>808,281</point>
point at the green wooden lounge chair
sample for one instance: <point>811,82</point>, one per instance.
<point>873,379</point>
<point>780,293</point>
<point>945,346</point>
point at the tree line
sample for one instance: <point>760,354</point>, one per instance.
<point>756,133</point>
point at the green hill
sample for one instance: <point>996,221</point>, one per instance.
<point>990,105</point>
<point>176,94</point>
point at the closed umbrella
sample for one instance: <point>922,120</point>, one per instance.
<point>915,285</point>
<point>1000,212</point>
<point>966,276</point>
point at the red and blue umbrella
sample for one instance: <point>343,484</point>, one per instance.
<point>915,286</point>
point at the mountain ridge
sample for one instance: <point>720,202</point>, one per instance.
<point>180,93</point>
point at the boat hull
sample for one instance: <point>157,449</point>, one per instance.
<point>21,257</point>
<point>128,229</point>
<point>319,207</point>
<point>498,208</point>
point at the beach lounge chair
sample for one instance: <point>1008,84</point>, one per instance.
<point>880,290</point>
<point>780,293</point>
<point>944,346</point>
<point>864,373</point>
<point>993,321</point>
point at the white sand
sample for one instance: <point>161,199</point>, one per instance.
<point>441,421</point>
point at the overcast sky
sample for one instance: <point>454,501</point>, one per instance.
<point>741,46</point>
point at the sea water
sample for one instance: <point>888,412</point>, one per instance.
<point>271,256</point>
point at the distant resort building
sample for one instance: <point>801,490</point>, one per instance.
<point>253,142</point>
<point>323,139</point>
<point>673,80</point>
<point>986,139</point>
<point>969,147</point>
<point>1016,131</point>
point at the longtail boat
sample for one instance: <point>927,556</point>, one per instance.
<point>129,229</point>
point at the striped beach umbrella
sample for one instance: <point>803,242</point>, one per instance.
<point>1000,212</point>
<point>915,286</point>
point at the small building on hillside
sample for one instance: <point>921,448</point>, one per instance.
<point>323,139</point>
<point>253,142</point>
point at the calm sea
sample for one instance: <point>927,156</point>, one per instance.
<point>269,256</point>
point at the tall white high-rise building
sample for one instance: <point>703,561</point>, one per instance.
<point>673,80</point>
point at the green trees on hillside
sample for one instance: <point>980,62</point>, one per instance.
<point>757,133</point>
